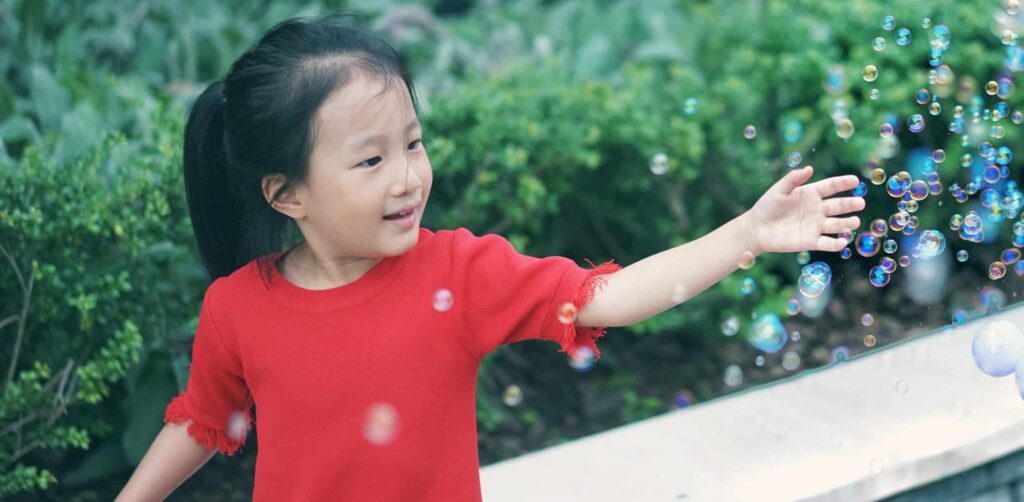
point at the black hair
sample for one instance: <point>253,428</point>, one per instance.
<point>259,120</point>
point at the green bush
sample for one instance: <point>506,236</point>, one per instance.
<point>540,119</point>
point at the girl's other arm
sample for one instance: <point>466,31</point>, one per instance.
<point>172,458</point>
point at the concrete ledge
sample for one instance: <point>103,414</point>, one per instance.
<point>844,432</point>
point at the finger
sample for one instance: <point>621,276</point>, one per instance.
<point>826,243</point>
<point>843,205</point>
<point>793,179</point>
<point>839,225</point>
<point>831,186</point>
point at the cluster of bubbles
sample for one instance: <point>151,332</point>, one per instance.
<point>998,350</point>
<point>814,278</point>
<point>976,119</point>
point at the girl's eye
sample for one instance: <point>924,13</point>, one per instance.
<point>375,161</point>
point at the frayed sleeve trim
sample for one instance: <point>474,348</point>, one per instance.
<point>574,336</point>
<point>177,412</point>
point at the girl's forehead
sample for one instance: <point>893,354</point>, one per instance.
<point>365,103</point>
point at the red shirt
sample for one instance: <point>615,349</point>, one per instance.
<point>365,391</point>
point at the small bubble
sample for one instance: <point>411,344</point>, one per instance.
<point>870,73</point>
<point>690,105</point>
<point>567,313</point>
<point>443,300</point>
<point>659,164</point>
<point>750,131</point>
<point>869,341</point>
<point>888,23</point>
<point>991,88</point>
<point>747,260</point>
<point>902,36</point>
<point>902,387</point>
<point>513,395</point>
<point>844,128</point>
<point>381,424</point>
<point>733,375</point>
<point>730,326</point>
<point>878,44</point>
<point>867,319</point>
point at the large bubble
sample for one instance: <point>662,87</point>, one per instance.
<point>814,278</point>
<point>768,333</point>
<point>997,347</point>
<point>931,244</point>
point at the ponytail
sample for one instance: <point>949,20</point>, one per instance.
<point>215,211</point>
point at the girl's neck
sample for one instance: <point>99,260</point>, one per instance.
<point>301,266</point>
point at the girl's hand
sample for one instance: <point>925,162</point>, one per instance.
<point>790,217</point>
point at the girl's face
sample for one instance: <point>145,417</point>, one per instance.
<point>368,162</point>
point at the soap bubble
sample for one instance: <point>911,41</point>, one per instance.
<point>867,319</point>
<point>996,270</point>
<point>844,128</point>
<point>878,227</point>
<point>878,277</point>
<point>860,190</point>
<point>941,37</point>
<point>659,163</point>
<point>878,44</point>
<point>885,130</point>
<point>997,347</point>
<point>381,423</point>
<point>902,36</point>
<point>887,264</point>
<point>915,123</point>
<point>814,278</point>
<point>890,246</point>
<point>513,395</point>
<point>803,257</point>
<point>962,255</point>
<point>690,106</point>
<point>870,73</point>
<point>443,300</point>
<point>793,306</point>
<point>840,353</point>
<point>733,375</point>
<point>583,359</point>
<point>931,244</point>
<point>922,96</point>
<point>750,131</point>
<point>867,245</point>
<point>991,88</point>
<point>960,317</point>
<point>794,159</point>
<point>768,334</point>
<point>888,23</point>
<point>730,326</point>
<point>747,286</point>
<point>877,176</point>
<point>567,313</point>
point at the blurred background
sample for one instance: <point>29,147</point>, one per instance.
<point>598,130</point>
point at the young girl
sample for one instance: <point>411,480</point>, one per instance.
<point>360,345</point>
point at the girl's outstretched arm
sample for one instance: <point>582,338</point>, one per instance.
<point>789,217</point>
<point>172,458</point>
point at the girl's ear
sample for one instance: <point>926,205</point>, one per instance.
<point>290,202</point>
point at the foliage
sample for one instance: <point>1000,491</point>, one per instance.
<point>540,119</point>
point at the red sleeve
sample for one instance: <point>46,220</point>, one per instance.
<point>217,399</point>
<point>501,296</point>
